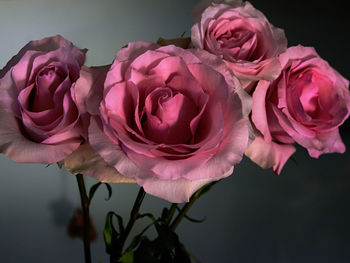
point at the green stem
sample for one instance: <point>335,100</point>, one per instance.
<point>86,217</point>
<point>133,217</point>
<point>172,210</point>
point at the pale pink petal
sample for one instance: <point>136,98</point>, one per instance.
<point>89,88</point>
<point>268,69</point>
<point>269,154</point>
<point>259,116</point>
<point>45,45</point>
<point>296,53</point>
<point>21,149</point>
<point>329,142</point>
<point>197,11</point>
<point>85,160</point>
<point>184,54</point>
<point>124,58</point>
<point>177,191</point>
<point>134,49</point>
<point>111,152</point>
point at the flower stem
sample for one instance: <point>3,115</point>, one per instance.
<point>172,210</point>
<point>133,216</point>
<point>86,217</point>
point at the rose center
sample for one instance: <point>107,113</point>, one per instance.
<point>46,83</point>
<point>308,87</point>
<point>235,39</point>
<point>167,116</point>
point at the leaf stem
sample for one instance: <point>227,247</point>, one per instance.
<point>182,213</point>
<point>188,205</point>
<point>85,202</point>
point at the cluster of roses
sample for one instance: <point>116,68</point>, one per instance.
<point>173,119</point>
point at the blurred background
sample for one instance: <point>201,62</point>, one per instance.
<point>252,216</point>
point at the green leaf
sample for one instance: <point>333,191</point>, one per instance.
<point>166,248</point>
<point>149,215</point>
<point>96,186</point>
<point>203,190</point>
<point>120,223</point>
<point>109,189</point>
<point>135,242</point>
<point>192,219</point>
<point>93,190</point>
<point>110,234</point>
<point>128,257</point>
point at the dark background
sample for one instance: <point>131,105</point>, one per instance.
<point>252,216</point>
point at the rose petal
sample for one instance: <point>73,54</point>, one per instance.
<point>85,160</point>
<point>329,142</point>
<point>178,191</point>
<point>259,116</point>
<point>269,154</point>
<point>111,152</point>
<point>16,146</point>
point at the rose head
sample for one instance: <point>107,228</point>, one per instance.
<point>39,116</point>
<point>243,37</point>
<point>305,104</point>
<point>167,120</point>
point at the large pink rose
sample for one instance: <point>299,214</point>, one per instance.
<point>243,37</point>
<point>305,104</point>
<point>167,121</point>
<point>39,117</point>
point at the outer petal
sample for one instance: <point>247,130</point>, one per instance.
<point>89,91</point>
<point>110,151</point>
<point>268,69</point>
<point>134,49</point>
<point>269,154</point>
<point>86,161</point>
<point>20,149</point>
<point>259,116</point>
<point>329,142</point>
<point>203,4</point>
<point>46,45</point>
<point>123,59</point>
<point>178,191</point>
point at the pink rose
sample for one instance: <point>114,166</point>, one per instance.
<point>166,120</point>
<point>305,104</point>
<point>39,117</point>
<point>243,37</point>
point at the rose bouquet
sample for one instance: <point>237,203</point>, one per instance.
<point>175,116</point>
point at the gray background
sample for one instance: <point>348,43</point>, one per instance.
<point>252,216</point>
